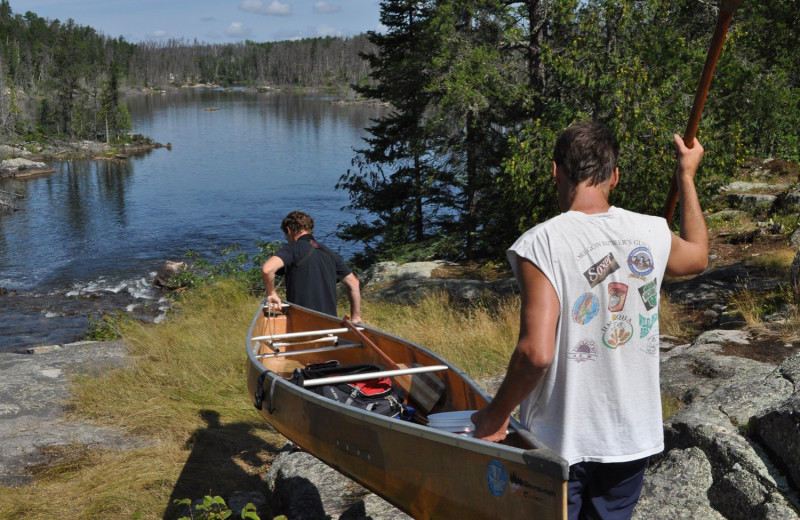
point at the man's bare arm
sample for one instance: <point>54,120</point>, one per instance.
<point>689,252</point>
<point>268,270</point>
<point>354,294</point>
<point>531,358</point>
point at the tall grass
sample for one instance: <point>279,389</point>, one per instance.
<point>478,338</point>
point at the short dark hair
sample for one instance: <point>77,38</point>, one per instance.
<point>297,221</point>
<point>587,151</point>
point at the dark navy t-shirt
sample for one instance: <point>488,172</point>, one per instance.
<point>311,274</point>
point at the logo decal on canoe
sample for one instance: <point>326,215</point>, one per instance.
<point>496,477</point>
<point>585,308</point>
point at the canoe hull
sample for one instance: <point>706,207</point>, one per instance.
<point>427,473</point>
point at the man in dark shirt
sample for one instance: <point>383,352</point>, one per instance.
<point>311,270</point>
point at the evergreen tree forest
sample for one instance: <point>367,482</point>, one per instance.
<point>60,78</point>
<point>480,90</point>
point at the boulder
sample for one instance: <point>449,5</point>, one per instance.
<point>19,167</point>
<point>676,487</point>
<point>166,275</point>
<point>306,489</point>
<point>404,283</point>
<point>745,424</point>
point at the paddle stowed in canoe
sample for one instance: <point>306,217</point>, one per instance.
<point>427,472</point>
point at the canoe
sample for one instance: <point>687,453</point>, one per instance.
<point>421,467</point>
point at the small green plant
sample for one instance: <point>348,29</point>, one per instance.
<point>232,263</point>
<point>215,508</point>
<point>106,327</point>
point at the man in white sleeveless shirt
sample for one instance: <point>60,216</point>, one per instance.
<point>585,370</point>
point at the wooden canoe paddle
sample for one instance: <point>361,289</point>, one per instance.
<point>726,10</point>
<point>425,390</point>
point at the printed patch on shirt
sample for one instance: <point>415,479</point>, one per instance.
<point>646,324</point>
<point>585,351</point>
<point>617,292</point>
<point>649,295</point>
<point>640,261</point>
<point>599,271</point>
<point>618,332</point>
<point>585,308</point>
<point>651,345</point>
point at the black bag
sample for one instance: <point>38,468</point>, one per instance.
<point>377,395</point>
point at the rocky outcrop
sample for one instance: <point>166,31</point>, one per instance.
<point>404,283</point>
<point>303,488</point>
<point>33,427</point>
<point>728,452</point>
<point>19,167</point>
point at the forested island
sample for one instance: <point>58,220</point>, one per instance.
<point>478,91</point>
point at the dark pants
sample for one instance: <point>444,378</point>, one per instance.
<point>607,491</point>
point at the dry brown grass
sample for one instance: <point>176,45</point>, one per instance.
<point>478,338</point>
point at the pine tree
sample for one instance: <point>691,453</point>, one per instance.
<point>395,185</point>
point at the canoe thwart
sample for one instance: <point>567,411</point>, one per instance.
<point>310,350</point>
<point>372,375</point>
<point>303,334</point>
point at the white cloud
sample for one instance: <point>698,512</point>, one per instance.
<point>326,8</point>
<point>237,30</point>
<point>160,34</point>
<point>327,30</point>
<point>258,7</point>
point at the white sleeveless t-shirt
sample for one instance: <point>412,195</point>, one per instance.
<point>600,399</point>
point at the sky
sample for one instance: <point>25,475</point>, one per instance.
<point>212,21</point>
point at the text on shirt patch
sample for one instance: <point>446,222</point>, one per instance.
<point>649,295</point>
<point>599,271</point>
<point>618,332</point>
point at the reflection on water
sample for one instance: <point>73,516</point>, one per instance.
<point>96,230</point>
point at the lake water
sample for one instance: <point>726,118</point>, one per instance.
<point>91,236</point>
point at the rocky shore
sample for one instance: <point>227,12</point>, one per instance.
<point>30,159</point>
<point>732,447</point>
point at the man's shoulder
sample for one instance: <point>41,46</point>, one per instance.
<point>292,251</point>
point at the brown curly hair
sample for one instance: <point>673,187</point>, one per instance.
<point>297,221</point>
